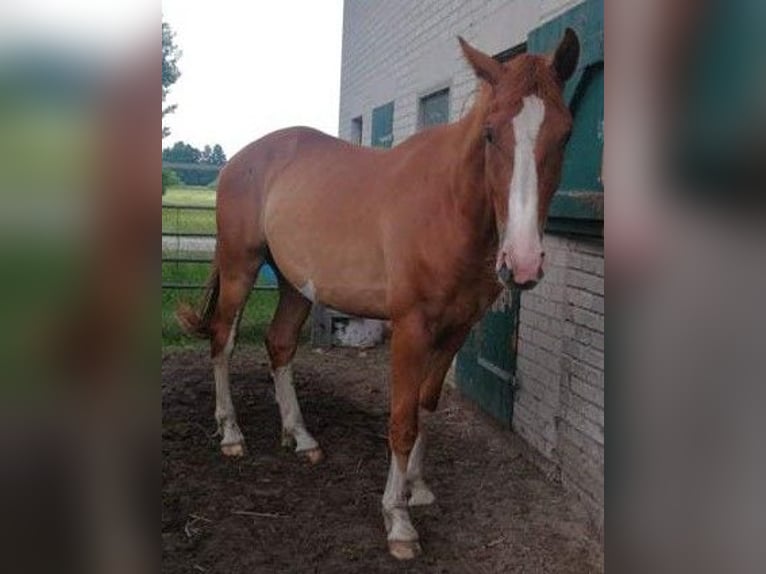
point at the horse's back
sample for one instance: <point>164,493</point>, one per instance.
<point>317,216</point>
<point>256,171</point>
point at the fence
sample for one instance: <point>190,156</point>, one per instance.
<point>196,247</point>
<point>188,246</point>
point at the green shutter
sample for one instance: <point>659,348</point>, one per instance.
<point>578,205</point>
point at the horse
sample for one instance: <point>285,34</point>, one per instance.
<point>425,235</point>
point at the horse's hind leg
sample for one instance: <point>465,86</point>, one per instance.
<point>234,289</point>
<point>281,342</point>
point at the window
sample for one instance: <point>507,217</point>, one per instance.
<point>382,134</point>
<point>434,109</point>
<point>356,130</point>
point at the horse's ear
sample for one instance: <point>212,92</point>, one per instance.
<point>485,67</point>
<point>564,59</point>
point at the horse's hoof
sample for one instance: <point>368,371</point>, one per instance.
<point>404,549</point>
<point>236,449</point>
<point>421,497</point>
<point>314,455</point>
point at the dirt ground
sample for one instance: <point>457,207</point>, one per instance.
<point>272,512</point>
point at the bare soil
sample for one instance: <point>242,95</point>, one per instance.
<point>272,512</point>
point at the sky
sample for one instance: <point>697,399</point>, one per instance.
<point>250,67</point>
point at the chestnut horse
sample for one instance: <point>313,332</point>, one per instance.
<point>426,235</point>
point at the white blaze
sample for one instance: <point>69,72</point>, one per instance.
<point>521,232</point>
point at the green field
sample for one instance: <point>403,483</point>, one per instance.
<point>184,220</point>
<point>189,196</point>
<point>260,306</point>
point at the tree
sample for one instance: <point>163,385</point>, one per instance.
<point>170,71</point>
<point>217,157</point>
<point>169,179</point>
<point>206,155</point>
<point>190,174</point>
<point>181,152</point>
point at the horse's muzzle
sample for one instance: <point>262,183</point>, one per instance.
<point>520,268</point>
<point>505,275</point>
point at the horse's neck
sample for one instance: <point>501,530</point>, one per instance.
<point>468,185</point>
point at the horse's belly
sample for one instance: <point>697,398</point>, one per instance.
<point>338,264</point>
<point>322,278</point>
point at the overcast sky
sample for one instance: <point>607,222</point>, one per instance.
<point>250,67</point>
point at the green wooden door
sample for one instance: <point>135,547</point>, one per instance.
<point>486,364</point>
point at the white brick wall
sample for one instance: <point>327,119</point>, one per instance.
<point>402,50</point>
<point>559,406</point>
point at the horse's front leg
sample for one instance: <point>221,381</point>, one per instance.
<point>429,393</point>
<point>410,355</point>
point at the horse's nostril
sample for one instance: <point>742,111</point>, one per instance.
<point>542,255</point>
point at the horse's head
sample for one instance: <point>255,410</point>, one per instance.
<point>526,126</point>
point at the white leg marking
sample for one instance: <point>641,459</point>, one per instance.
<point>232,441</point>
<point>521,230</point>
<point>309,291</point>
<point>420,494</point>
<point>395,512</point>
<point>290,410</point>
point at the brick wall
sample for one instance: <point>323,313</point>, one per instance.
<point>559,406</point>
<point>402,50</point>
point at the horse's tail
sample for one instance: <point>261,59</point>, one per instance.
<point>197,322</point>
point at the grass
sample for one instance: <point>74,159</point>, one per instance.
<point>189,196</point>
<point>185,220</point>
